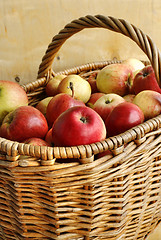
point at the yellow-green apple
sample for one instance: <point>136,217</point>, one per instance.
<point>78,125</point>
<point>12,96</point>
<point>81,87</point>
<point>123,117</point>
<point>104,105</point>
<point>58,104</point>
<point>149,102</point>
<point>145,79</point>
<point>93,98</point>
<point>49,138</point>
<point>92,81</point>
<point>114,78</point>
<point>36,142</point>
<point>129,97</point>
<point>22,123</point>
<point>52,86</point>
<point>42,105</point>
<point>135,64</point>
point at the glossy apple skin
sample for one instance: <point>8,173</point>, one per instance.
<point>145,80</point>
<point>149,102</point>
<point>49,137</point>
<point>23,123</point>
<point>42,105</point>
<point>58,104</point>
<point>82,88</point>
<point>12,95</point>
<point>78,125</point>
<point>52,86</point>
<point>94,97</point>
<point>36,142</point>
<point>104,105</point>
<point>113,79</point>
<point>123,117</point>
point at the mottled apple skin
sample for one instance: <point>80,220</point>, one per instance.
<point>145,79</point>
<point>123,117</point>
<point>113,79</point>
<point>58,104</point>
<point>78,125</point>
<point>37,142</point>
<point>23,123</point>
<point>149,102</point>
<point>94,97</point>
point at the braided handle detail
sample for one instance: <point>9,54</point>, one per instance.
<point>117,25</point>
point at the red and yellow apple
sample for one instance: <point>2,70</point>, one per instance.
<point>94,97</point>
<point>12,96</point>
<point>52,86</point>
<point>23,123</point>
<point>42,105</point>
<point>104,105</point>
<point>114,78</point>
<point>149,102</point>
<point>36,142</point>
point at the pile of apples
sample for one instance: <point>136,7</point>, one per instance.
<point>78,111</point>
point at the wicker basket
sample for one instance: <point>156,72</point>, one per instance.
<point>70,192</point>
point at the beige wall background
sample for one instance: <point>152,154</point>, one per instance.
<point>27,27</point>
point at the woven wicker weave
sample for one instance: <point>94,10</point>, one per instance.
<point>72,193</point>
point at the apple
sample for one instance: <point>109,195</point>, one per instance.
<point>113,78</point>
<point>104,105</point>
<point>58,104</point>
<point>52,86</point>
<point>93,98</point>
<point>36,142</point>
<point>78,125</point>
<point>145,79</point>
<point>42,105</point>
<point>22,123</point>
<point>123,117</point>
<point>81,87</point>
<point>129,97</point>
<point>12,96</point>
<point>149,102</point>
<point>92,82</point>
<point>134,64</point>
<point>49,138</point>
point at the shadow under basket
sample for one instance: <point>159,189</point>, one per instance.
<point>80,192</point>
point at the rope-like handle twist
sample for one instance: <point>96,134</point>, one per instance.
<point>99,21</point>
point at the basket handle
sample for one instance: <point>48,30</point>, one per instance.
<point>99,21</point>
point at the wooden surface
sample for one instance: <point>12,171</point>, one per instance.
<point>27,27</point>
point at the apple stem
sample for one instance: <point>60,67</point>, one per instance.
<point>83,119</point>
<point>72,88</point>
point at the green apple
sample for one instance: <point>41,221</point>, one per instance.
<point>12,96</point>
<point>81,88</point>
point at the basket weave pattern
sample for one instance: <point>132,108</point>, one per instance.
<point>71,192</point>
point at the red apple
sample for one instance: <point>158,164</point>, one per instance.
<point>113,79</point>
<point>94,97</point>
<point>104,105</point>
<point>58,104</point>
<point>145,80</point>
<point>36,142</point>
<point>78,125</point>
<point>149,102</point>
<point>12,96</point>
<point>92,82</point>
<point>49,138</point>
<point>129,97</point>
<point>42,105</point>
<point>22,123</point>
<point>123,117</point>
<point>52,86</point>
